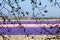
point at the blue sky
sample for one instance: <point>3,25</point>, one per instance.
<point>53,11</point>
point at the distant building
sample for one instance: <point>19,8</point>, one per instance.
<point>0,18</point>
<point>28,18</point>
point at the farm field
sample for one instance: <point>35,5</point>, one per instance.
<point>31,37</point>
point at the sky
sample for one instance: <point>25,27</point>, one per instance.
<point>53,11</point>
